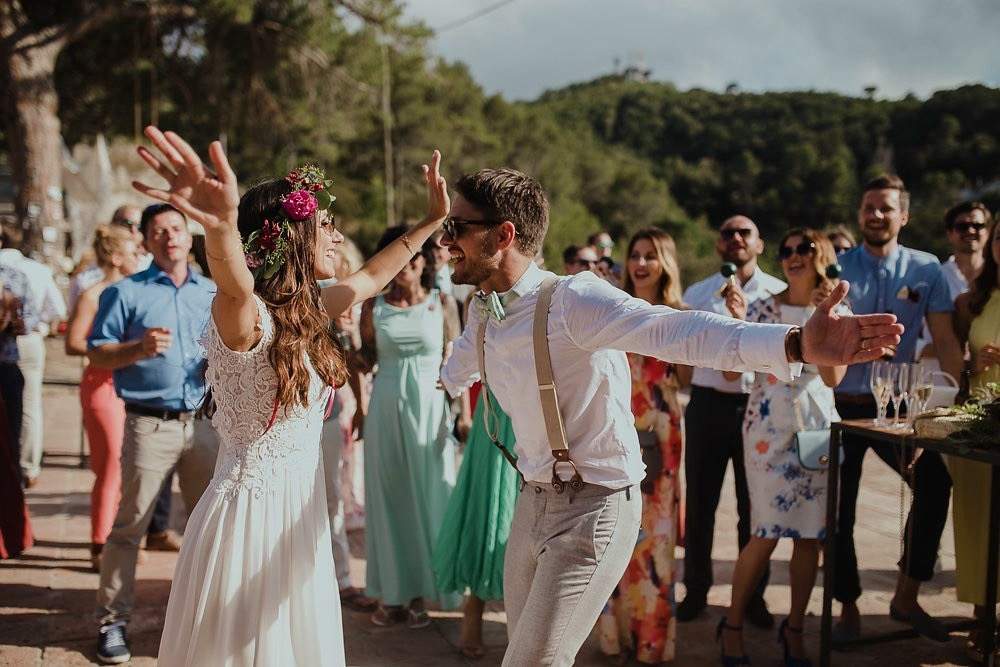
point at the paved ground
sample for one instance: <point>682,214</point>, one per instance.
<point>47,595</point>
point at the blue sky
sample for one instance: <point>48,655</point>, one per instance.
<point>901,46</point>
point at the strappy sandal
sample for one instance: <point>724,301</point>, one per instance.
<point>386,616</point>
<point>789,659</point>
<point>974,648</point>
<point>417,619</point>
<point>729,660</point>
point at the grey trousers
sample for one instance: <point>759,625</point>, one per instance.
<point>332,442</point>
<point>31,350</point>
<point>566,554</point>
<point>151,448</point>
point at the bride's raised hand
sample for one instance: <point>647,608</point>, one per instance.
<point>209,197</point>
<point>438,202</point>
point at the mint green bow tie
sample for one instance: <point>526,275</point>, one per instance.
<point>490,306</point>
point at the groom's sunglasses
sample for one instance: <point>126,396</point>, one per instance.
<point>451,226</point>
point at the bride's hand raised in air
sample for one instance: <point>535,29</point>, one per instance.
<point>438,201</point>
<point>210,197</point>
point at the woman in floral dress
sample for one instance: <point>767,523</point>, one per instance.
<point>639,618</point>
<point>786,499</point>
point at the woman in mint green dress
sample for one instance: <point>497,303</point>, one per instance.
<point>470,549</point>
<point>409,449</point>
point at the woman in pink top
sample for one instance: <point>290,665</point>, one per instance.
<point>103,412</point>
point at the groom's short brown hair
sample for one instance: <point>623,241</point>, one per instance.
<point>507,194</point>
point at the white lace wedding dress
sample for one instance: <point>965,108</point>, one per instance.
<point>255,583</point>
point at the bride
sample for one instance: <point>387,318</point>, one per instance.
<point>254,583</point>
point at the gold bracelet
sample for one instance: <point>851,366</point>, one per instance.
<point>406,242</point>
<point>217,259</point>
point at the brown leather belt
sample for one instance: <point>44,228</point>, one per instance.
<point>165,415</point>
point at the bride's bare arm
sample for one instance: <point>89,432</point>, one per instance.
<point>376,273</point>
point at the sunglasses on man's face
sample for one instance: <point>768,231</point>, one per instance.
<point>730,234</point>
<point>452,226</point>
<point>966,227</point>
<point>586,262</point>
<point>802,250</point>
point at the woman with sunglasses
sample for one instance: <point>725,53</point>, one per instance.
<point>254,582</point>
<point>409,448</point>
<point>786,498</point>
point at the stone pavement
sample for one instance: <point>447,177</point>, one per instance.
<point>47,595</point>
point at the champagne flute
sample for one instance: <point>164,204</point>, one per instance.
<point>878,382</point>
<point>912,382</point>
<point>899,375</point>
<point>923,386</point>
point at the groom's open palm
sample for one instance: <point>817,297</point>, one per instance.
<point>829,339</point>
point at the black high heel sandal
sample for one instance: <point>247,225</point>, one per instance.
<point>729,660</point>
<point>791,661</point>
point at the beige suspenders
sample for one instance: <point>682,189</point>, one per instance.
<point>492,427</point>
<point>554,426</point>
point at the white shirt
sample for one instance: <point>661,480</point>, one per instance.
<point>50,302</point>
<point>591,325</point>
<point>83,281</point>
<point>704,295</point>
<point>957,284</point>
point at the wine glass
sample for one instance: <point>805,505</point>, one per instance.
<point>912,382</point>
<point>923,386</point>
<point>878,382</point>
<point>899,376</point>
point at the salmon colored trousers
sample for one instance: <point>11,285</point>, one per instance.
<point>104,421</point>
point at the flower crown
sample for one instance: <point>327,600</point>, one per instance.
<point>267,248</point>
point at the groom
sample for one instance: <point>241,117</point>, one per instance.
<point>568,550</point>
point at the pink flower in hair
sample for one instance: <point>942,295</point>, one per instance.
<point>253,262</point>
<point>300,205</point>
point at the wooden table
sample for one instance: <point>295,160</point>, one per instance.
<point>864,428</point>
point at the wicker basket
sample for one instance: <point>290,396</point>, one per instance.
<point>941,423</point>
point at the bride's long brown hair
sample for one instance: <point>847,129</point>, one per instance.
<point>293,299</point>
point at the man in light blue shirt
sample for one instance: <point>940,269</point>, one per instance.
<point>147,329</point>
<point>885,277</point>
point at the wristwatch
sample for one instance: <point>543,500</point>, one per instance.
<point>793,345</point>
